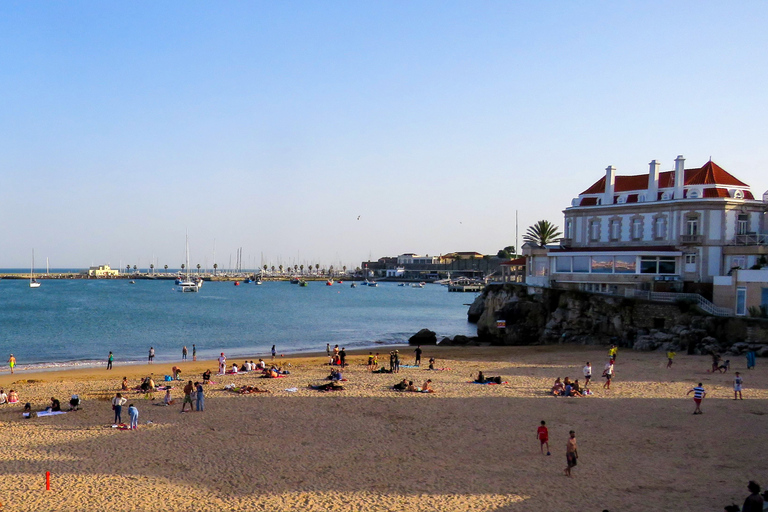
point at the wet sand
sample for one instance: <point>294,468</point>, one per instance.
<point>468,447</point>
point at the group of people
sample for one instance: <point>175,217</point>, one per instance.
<point>407,385</point>
<point>133,413</point>
<point>338,357</point>
<point>569,388</point>
<point>571,449</point>
<point>11,398</point>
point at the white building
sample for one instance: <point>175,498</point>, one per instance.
<point>410,258</point>
<point>662,230</point>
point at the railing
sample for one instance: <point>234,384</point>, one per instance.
<point>690,239</point>
<point>751,239</point>
<point>566,242</point>
<point>697,299</point>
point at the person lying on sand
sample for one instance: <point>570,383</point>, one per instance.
<point>245,390</point>
<point>401,386</point>
<point>482,379</point>
<point>331,386</point>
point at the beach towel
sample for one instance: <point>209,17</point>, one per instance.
<point>292,390</point>
<point>408,366</point>
<point>50,413</point>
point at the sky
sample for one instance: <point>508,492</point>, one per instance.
<point>333,132</point>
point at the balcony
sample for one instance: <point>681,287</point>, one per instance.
<point>751,239</point>
<point>691,239</point>
<point>566,242</point>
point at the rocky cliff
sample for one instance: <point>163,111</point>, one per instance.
<point>566,316</point>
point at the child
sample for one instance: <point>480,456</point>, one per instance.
<point>670,356</point>
<point>723,368</point>
<point>133,412</point>
<point>542,434</point>
<point>737,382</point>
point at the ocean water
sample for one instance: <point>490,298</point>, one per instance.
<point>77,322</point>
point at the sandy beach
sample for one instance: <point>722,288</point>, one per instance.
<point>467,447</point>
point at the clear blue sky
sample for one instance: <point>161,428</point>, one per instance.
<point>273,125</point>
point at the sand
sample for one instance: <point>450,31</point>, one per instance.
<point>467,447</point>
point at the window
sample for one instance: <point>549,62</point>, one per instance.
<point>569,228</point>
<point>622,199</point>
<point>602,264</point>
<point>657,265</point>
<point>666,196</point>
<point>692,226</point>
<point>659,228</point>
<point>693,193</point>
<point>742,224</point>
<point>594,230</point>
<point>563,264</point>
<point>690,258</point>
<point>637,229</point>
<point>738,194</point>
<point>615,229</point>
<point>739,262</point>
<point>625,264</point>
<point>741,301</point>
<point>581,264</point>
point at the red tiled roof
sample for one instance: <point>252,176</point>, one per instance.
<point>588,201</point>
<point>519,262</point>
<point>709,174</point>
<point>716,192</point>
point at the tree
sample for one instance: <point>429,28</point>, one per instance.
<point>542,233</point>
<point>165,267</point>
<point>301,267</point>
<point>330,270</point>
<point>265,268</point>
<point>198,269</point>
<point>273,269</point>
<point>281,269</point>
<point>507,252</point>
<point>183,266</point>
<point>344,268</point>
<point>317,267</point>
<point>152,267</point>
<point>215,266</point>
<point>127,269</point>
<point>134,268</point>
<point>295,268</point>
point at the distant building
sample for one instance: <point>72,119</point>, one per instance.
<point>102,271</point>
<point>414,259</point>
<point>742,290</point>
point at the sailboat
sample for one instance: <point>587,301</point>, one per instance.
<point>32,281</point>
<point>188,284</point>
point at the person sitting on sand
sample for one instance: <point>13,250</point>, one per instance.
<point>124,385</point>
<point>557,388</point>
<point>207,377</point>
<point>335,375</point>
<point>401,386</point>
<point>567,381</point>
<point>3,397</point>
<point>261,365</point>
<point>27,413</point>
<point>246,367</point>
<point>74,403</point>
<point>234,369</point>
<point>431,363</point>
<point>480,378</point>
<point>55,405</point>
<point>167,400</point>
<point>149,389</point>
<point>13,397</point>
<point>577,390</point>
<point>411,387</point>
<point>427,387</point>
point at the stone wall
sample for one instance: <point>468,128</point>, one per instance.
<point>569,316</point>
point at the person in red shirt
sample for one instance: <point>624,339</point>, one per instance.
<point>542,434</point>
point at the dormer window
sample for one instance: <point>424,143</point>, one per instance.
<point>694,193</point>
<point>738,194</point>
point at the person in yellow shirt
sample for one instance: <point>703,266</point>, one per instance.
<point>670,356</point>
<point>612,352</point>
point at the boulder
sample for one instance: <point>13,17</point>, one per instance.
<point>423,337</point>
<point>463,340</point>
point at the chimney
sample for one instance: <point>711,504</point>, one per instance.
<point>679,177</point>
<point>610,183</point>
<point>653,181</point>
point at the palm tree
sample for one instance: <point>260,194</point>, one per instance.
<point>542,233</point>
<point>152,267</point>
<point>344,268</point>
<point>273,269</point>
<point>166,268</point>
<point>317,267</point>
<point>198,269</point>
<point>302,269</point>
<point>330,270</point>
<point>127,269</point>
<point>281,268</point>
<point>215,266</point>
<point>183,266</point>
<point>134,268</point>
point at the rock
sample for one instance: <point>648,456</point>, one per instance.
<point>763,352</point>
<point>476,309</point>
<point>423,337</point>
<point>646,343</point>
<point>445,342</point>
<point>463,340</point>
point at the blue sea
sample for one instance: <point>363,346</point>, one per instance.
<point>73,322</point>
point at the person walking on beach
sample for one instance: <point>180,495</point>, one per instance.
<point>187,397</point>
<point>117,406</point>
<point>194,352</point>
<point>571,453</point>
<point>608,374</point>
<point>698,395</point>
<point>737,382</point>
<point>612,352</point>
<point>109,360</point>
<point>670,356</point>
<point>418,356</point>
<point>587,370</point>
<point>274,352</point>
<point>12,362</point>
<point>200,403</point>
<point>222,364</point>
<point>397,361</point>
<point>328,349</point>
<point>542,434</point>
<point>151,355</point>
<point>133,414</point>
<point>184,353</point>
<point>343,357</point>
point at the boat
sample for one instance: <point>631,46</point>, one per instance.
<point>417,285</point>
<point>303,283</point>
<point>353,285</point>
<point>32,281</point>
<point>373,283</point>
<point>401,284</point>
<point>237,283</point>
<point>187,284</point>
<point>131,282</point>
<point>258,281</point>
<point>329,282</point>
<point>295,280</point>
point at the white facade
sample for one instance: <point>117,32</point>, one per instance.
<point>656,231</point>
